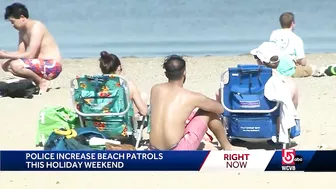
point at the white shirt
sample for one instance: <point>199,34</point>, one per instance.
<point>289,43</point>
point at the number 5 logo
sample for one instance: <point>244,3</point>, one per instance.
<point>288,156</point>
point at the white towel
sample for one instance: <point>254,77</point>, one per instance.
<point>277,90</point>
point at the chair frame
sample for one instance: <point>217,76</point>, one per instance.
<point>136,133</point>
<point>222,84</point>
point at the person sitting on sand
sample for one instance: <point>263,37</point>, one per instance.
<point>110,64</point>
<point>278,88</point>
<point>38,57</point>
<point>268,54</point>
<point>172,105</point>
<point>268,49</point>
<point>292,45</point>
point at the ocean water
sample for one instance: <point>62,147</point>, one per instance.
<point>150,28</point>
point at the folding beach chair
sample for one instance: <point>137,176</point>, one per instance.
<point>103,101</point>
<point>248,114</point>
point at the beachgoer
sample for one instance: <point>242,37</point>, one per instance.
<point>291,45</point>
<point>38,56</point>
<point>281,67</point>
<point>110,64</point>
<point>268,54</point>
<point>172,105</point>
<point>278,88</point>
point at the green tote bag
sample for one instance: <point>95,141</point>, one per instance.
<point>51,118</point>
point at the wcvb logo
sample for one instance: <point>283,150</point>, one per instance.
<point>289,159</point>
<point>288,156</point>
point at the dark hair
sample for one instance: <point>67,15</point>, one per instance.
<point>275,62</point>
<point>16,10</point>
<point>175,66</point>
<point>286,19</point>
<point>108,62</point>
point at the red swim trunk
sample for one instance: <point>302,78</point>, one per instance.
<point>47,69</point>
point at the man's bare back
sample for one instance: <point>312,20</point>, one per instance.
<point>171,105</point>
<point>48,48</point>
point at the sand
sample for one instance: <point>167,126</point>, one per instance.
<point>19,121</point>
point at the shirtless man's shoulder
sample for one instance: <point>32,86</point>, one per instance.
<point>156,87</point>
<point>190,96</point>
<point>48,47</point>
<point>40,25</point>
<point>35,26</point>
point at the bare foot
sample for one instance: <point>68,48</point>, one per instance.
<point>235,148</point>
<point>44,86</point>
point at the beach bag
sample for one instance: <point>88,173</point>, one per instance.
<point>16,88</point>
<point>51,118</point>
<point>73,139</point>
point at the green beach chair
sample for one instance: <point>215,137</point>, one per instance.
<point>103,101</point>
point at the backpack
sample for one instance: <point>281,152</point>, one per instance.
<point>73,139</point>
<point>18,88</point>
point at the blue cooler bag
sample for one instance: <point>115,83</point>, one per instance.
<point>73,139</point>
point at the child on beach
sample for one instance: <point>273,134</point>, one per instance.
<point>110,64</point>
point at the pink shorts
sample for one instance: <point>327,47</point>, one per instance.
<point>194,133</point>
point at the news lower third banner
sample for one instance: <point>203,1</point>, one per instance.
<point>283,160</point>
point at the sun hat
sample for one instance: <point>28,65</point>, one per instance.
<point>266,51</point>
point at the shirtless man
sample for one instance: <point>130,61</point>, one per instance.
<point>38,57</point>
<point>171,105</point>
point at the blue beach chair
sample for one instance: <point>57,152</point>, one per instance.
<point>103,101</point>
<point>248,114</point>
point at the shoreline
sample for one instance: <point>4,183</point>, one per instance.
<point>187,56</point>
<point>316,100</point>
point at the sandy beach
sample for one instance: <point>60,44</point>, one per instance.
<point>19,118</point>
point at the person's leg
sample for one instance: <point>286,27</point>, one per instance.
<point>294,91</point>
<point>295,96</point>
<point>5,65</point>
<point>197,128</point>
<point>217,128</point>
<point>17,67</point>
